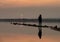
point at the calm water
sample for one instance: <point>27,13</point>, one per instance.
<point>19,33</point>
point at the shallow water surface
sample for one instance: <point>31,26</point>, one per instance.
<point>19,33</point>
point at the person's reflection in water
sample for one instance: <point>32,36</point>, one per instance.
<point>40,29</point>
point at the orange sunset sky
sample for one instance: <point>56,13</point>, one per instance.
<point>20,3</point>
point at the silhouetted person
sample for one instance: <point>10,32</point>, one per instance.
<point>40,19</point>
<point>40,29</point>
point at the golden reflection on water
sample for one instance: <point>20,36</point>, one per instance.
<point>25,38</point>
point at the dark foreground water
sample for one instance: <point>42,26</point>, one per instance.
<point>19,33</point>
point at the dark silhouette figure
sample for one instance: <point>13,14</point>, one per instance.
<point>40,19</point>
<point>40,29</point>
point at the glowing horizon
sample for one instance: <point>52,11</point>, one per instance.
<point>22,3</point>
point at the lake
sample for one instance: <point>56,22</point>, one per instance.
<point>19,33</point>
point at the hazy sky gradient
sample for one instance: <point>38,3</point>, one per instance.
<point>22,3</point>
<point>29,8</point>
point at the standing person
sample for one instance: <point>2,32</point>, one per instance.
<point>40,24</point>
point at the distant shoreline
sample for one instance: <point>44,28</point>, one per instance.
<point>29,20</point>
